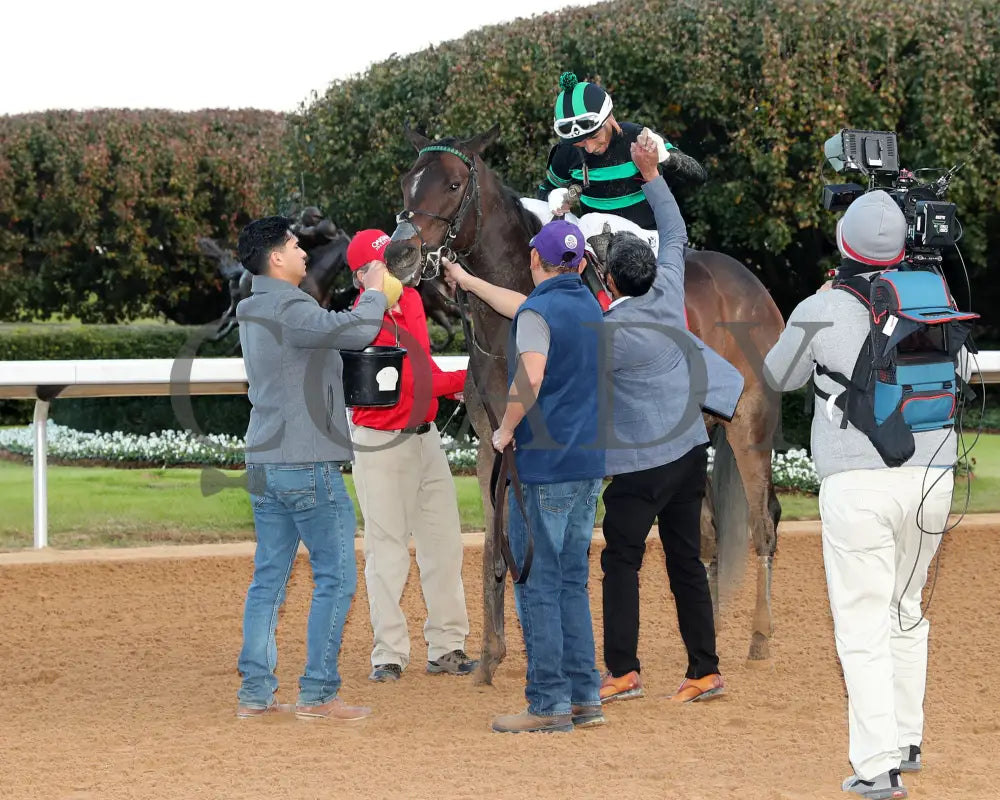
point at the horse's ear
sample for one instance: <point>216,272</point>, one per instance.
<point>478,144</point>
<point>417,140</point>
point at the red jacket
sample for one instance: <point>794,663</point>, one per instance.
<point>422,381</point>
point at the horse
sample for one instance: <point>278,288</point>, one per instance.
<point>455,204</point>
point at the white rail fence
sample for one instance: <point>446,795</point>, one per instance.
<point>44,381</point>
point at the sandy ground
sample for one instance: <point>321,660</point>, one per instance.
<point>119,681</point>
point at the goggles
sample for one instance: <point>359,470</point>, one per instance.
<point>585,124</point>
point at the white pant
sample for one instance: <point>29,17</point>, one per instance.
<point>591,223</point>
<point>871,541</point>
<point>405,487</point>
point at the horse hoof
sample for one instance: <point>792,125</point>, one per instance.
<point>760,648</point>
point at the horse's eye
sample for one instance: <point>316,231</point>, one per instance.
<point>455,186</point>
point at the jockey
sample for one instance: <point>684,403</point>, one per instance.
<point>595,153</point>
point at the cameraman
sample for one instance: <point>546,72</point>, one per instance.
<point>874,517</point>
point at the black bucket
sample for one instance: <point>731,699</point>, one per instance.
<point>372,376</point>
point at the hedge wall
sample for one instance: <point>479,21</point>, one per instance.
<point>100,210</point>
<point>750,87</point>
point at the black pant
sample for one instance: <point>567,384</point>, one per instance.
<point>672,494</point>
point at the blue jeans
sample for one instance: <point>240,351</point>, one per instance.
<point>553,605</point>
<point>293,502</point>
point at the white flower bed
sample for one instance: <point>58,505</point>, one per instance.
<point>169,448</point>
<point>791,470</point>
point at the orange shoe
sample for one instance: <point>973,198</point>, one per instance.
<point>626,687</point>
<point>693,689</point>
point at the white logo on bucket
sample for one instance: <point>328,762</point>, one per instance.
<point>387,378</point>
<point>570,241</point>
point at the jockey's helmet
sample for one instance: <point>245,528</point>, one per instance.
<point>581,109</point>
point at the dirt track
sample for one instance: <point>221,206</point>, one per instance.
<point>119,681</point>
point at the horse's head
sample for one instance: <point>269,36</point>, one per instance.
<point>442,209</point>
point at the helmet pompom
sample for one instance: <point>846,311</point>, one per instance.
<point>567,81</point>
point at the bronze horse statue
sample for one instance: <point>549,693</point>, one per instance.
<point>327,261</point>
<point>454,203</point>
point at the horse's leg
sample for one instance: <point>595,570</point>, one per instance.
<point>754,463</point>
<point>494,645</point>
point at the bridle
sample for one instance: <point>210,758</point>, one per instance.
<point>431,259</point>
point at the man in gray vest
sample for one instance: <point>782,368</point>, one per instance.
<point>296,441</point>
<point>661,378</point>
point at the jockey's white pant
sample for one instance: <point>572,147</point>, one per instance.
<point>871,542</point>
<point>404,487</point>
<point>592,223</point>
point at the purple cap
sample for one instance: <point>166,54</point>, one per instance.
<point>560,243</point>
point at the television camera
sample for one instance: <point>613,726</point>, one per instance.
<point>931,220</point>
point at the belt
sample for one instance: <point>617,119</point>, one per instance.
<point>423,427</point>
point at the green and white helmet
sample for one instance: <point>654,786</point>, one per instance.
<point>581,109</point>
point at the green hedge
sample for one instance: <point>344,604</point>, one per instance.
<point>100,210</point>
<point>750,87</point>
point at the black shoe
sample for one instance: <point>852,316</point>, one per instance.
<point>386,672</point>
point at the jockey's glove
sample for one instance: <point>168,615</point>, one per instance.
<point>558,198</point>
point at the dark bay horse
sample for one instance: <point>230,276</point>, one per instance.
<point>454,203</point>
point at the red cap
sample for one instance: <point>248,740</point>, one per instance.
<point>365,247</point>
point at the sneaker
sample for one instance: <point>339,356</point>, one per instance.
<point>454,663</point>
<point>625,687</point>
<point>252,712</point>
<point>909,758</point>
<point>694,689</point>
<point>386,672</point>
<point>529,723</point>
<point>333,709</point>
<point>887,786</point>
<point>587,716</point>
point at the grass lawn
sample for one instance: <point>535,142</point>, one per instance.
<point>103,507</point>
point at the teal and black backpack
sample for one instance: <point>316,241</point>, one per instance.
<point>907,377</point>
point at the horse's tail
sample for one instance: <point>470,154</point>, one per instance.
<point>732,515</point>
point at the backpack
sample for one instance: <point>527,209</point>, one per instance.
<point>906,379</point>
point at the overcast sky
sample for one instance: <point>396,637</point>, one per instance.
<point>189,54</point>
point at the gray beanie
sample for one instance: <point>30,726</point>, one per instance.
<point>873,230</point>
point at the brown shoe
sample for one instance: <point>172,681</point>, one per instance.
<point>587,716</point>
<point>694,689</point>
<point>252,712</point>
<point>333,709</point>
<point>625,687</point>
<point>529,723</point>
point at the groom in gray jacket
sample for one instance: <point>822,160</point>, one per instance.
<point>662,377</point>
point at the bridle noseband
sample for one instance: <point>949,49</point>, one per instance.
<point>432,258</point>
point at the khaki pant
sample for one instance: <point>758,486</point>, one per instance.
<point>405,488</point>
<point>876,560</point>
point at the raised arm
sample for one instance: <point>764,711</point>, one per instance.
<point>669,281</point>
<point>503,301</point>
<point>309,325</point>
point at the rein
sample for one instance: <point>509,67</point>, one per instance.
<point>504,472</point>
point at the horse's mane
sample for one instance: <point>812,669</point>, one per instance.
<point>529,221</point>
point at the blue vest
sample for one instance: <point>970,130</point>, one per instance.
<point>558,440</point>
